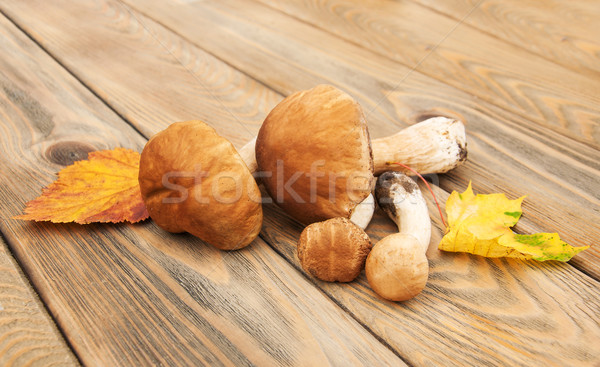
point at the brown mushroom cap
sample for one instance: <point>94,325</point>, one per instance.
<point>397,268</point>
<point>334,250</point>
<point>193,180</point>
<point>315,145</point>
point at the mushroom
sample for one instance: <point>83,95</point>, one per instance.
<point>435,145</point>
<point>193,180</point>
<point>334,250</point>
<point>397,267</point>
<point>317,161</point>
<point>316,145</point>
<point>401,199</point>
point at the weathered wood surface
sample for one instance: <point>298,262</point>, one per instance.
<point>567,32</point>
<point>28,335</point>
<point>495,71</point>
<point>445,302</point>
<point>474,311</point>
<point>505,148</point>
<point>132,294</point>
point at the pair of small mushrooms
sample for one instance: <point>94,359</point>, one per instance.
<point>315,158</point>
<point>396,267</point>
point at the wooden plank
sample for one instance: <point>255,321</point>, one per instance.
<point>474,311</point>
<point>562,31</point>
<point>134,294</point>
<point>28,335</point>
<point>505,149</point>
<point>493,70</point>
<point>201,87</point>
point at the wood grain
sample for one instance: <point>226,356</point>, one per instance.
<point>133,294</point>
<point>562,31</point>
<point>28,335</point>
<point>198,86</point>
<point>495,71</point>
<point>474,311</point>
<point>507,152</point>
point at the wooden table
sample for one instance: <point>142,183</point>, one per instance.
<point>78,76</point>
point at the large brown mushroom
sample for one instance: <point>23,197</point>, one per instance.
<point>316,159</point>
<point>315,146</point>
<point>193,180</point>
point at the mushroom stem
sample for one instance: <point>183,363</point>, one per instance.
<point>363,213</point>
<point>400,197</point>
<point>249,156</point>
<point>435,145</point>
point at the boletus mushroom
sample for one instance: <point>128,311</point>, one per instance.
<point>316,148</point>
<point>193,180</point>
<point>397,267</point>
<point>317,161</point>
<point>334,250</point>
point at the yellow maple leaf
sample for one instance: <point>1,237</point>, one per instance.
<point>480,225</point>
<point>103,188</point>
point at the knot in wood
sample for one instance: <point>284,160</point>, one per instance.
<point>67,152</point>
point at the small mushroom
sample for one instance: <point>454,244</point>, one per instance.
<point>193,180</point>
<point>317,161</point>
<point>397,267</point>
<point>334,250</point>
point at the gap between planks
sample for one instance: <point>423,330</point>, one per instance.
<point>570,61</point>
<point>578,265</point>
<point>109,104</point>
<point>263,237</point>
<point>125,123</point>
<point>116,109</point>
<point>29,335</point>
<point>497,263</point>
<point>300,14</point>
<point>72,73</point>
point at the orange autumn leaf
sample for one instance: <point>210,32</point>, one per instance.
<point>102,189</point>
